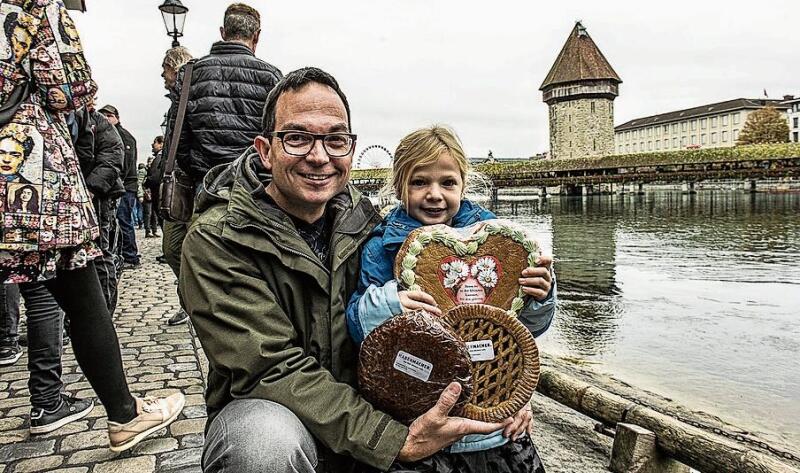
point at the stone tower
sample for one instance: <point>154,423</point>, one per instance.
<point>579,91</point>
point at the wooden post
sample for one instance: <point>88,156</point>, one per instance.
<point>635,451</point>
<point>687,444</point>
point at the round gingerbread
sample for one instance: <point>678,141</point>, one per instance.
<point>406,363</point>
<point>505,360</point>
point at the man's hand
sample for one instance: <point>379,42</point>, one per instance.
<point>536,280</point>
<point>435,430</point>
<point>415,300</point>
<point>522,422</point>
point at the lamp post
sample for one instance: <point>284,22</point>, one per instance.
<point>174,14</point>
<point>164,125</point>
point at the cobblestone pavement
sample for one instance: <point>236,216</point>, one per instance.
<point>158,359</point>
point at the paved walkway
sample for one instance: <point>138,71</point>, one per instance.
<point>158,359</point>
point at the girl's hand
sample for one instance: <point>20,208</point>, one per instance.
<point>522,422</point>
<point>536,280</point>
<point>416,300</point>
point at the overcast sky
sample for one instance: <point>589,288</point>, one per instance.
<point>476,66</point>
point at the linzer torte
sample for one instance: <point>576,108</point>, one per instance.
<point>406,363</point>
<point>505,360</point>
<point>480,264</point>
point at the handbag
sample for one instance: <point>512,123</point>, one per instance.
<point>176,192</point>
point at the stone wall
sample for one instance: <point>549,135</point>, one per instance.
<point>582,127</point>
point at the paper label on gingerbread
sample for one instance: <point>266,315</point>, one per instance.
<point>481,350</point>
<point>413,366</point>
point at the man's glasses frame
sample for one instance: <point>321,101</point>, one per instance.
<point>324,137</point>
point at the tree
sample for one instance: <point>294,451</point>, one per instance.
<point>764,126</point>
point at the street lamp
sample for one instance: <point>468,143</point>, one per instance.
<point>174,14</point>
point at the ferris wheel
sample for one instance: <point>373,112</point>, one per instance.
<point>374,156</point>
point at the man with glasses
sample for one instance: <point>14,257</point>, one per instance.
<point>267,270</point>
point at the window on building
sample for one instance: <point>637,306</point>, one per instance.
<point>713,138</point>
<point>703,139</point>
<point>675,142</point>
<point>658,144</point>
<point>694,139</point>
<point>736,118</point>
<point>674,128</point>
<point>683,141</point>
<point>725,120</point>
<point>703,123</point>
<point>665,129</point>
<point>634,147</point>
<point>683,126</point>
<point>649,146</point>
<point>594,142</point>
<point>627,148</point>
<point>694,125</point>
<point>641,133</point>
<point>714,121</point>
<point>641,146</point>
<point>649,132</point>
<point>795,120</point>
<point>795,136</point>
<point>724,136</point>
<point>735,135</point>
<point>620,149</point>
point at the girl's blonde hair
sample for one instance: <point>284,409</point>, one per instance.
<point>424,147</point>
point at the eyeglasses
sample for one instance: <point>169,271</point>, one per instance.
<point>300,143</point>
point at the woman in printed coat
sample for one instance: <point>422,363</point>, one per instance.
<point>49,248</point>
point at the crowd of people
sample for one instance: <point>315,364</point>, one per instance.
<point>283,268</point>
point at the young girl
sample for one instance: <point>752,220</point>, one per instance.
<point>429,178</point>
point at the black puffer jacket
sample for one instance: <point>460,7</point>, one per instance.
<point>129,177</point>
<point>228,90</point>
<point>100,154</point>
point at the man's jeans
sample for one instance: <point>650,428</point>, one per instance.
<point>9,314</point>
<point>124,216</point>
<point>45,323</point>
<point>255,435</point>
<point>106,266</point>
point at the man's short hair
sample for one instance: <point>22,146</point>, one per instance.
<point>176,57</point>
<point>159,139</point>
<point>296,80</point>
<point>241,22</point>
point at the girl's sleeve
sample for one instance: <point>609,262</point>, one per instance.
<point>537,315</point>
<point>376,299</point>
<point>61,73</point>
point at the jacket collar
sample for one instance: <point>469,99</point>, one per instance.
<point>398,224</point>
<point>230,47</point>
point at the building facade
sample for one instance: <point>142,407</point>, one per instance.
<point>715,125</point>
<point>793,114</point>
<point>580,90</point>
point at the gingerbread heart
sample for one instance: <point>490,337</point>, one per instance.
<point>479,264</point>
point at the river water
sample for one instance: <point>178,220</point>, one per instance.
<point>695,297</point>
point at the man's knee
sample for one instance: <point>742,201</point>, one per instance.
<point>258,435</point>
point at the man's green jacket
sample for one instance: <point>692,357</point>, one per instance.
<point>271,316</point>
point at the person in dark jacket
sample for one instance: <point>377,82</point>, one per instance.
<point>101,155</point>
<point>130,252</point>
<point>152,181</point>
<point>228,90</point>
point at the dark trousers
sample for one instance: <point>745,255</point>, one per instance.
<point>9,314</point>
<point>151,220</point>
<point>107,264</point>
<point>125,219</point>
<point>94,339</point>
<point>45,325</point>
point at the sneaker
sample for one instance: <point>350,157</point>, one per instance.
<point>9,354</point>
<point>180,317</point>
<point>153,414</point>
<point>70,409</point>
<point>161,259</point>
<point>147,234</point>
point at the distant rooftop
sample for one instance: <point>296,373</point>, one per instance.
<point>579,60</point>
<point>703,110</point>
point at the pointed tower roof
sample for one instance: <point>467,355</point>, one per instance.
<point>579,60</point>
